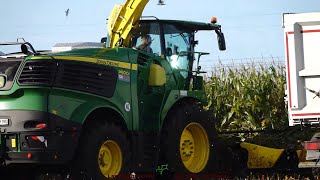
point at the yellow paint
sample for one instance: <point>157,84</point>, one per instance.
<point>2,81</point>
<point>260,156</point>
<point>110,158</point>
<point>105,62</point>
<point>194,147</point>
<point>157,76</point>
<point>124,72</point>
<point>40,57</point>
<point>13,143</point>
<point>123,19</point>
<point>134,67</point>
<point>302,155</point>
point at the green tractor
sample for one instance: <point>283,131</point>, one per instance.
<point>115,110</point>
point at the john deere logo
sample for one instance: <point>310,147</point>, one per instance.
<point>2,80</point>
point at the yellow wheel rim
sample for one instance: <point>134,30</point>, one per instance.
<point>110,158</point>
<point>194,147</point>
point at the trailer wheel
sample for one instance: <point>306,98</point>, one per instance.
<point>186,139</point>
<point>104,152</point>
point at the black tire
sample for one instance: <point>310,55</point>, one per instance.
<point>178,118</point>
<point>316,173</point>
<point>86,164</point>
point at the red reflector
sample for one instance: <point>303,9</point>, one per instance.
<point>312,145</point>
<point>41,125</point>
<point>35,138</point>
<point>29,155</point>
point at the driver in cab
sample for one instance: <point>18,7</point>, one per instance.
<point>145,44</point>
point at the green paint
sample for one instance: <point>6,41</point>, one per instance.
<point>162,168</point>
<point>18,142</point>
<point>142,107</point>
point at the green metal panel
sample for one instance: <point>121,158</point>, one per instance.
<point>24,99</point>
<point>178,95</point>
<point>71,104</point>
<point>76,106</point>
<point>133,56</point>
<point>142,107</point>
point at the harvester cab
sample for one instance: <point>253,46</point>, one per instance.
<point>174,41</point>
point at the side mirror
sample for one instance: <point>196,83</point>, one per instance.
<point>221,42</point>
<point>24,49</point>
<point>27,49</point>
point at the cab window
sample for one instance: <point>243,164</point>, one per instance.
<point>147,38</point>
<point>177,42</point>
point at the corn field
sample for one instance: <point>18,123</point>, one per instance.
<point>247,97</point>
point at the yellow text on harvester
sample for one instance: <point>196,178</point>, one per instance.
<point>114,63</point>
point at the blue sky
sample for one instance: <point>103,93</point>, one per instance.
<point>252,28</point>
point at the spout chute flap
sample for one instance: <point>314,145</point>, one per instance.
<point>123,19</point>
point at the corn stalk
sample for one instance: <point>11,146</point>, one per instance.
<point>247,97</point>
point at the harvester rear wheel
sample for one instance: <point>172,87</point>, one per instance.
<point>104,152</point>
<point>186,139</point>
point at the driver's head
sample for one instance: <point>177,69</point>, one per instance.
<point>145,39</point>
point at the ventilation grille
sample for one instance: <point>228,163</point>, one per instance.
<point>87,77</point>
<point>80,76</point>
<point>143,59</point>
<point>38,73</point>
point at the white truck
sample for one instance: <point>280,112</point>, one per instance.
<point>302,54</point>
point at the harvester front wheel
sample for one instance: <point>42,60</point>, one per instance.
<point>104,152</point>
<point>186,139</point>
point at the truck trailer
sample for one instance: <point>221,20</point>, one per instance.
<point>302,97</point>
<point>301,35</point>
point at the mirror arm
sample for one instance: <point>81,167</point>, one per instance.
<point>218,31</point>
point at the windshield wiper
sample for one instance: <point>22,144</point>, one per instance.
<point>184,38</point>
